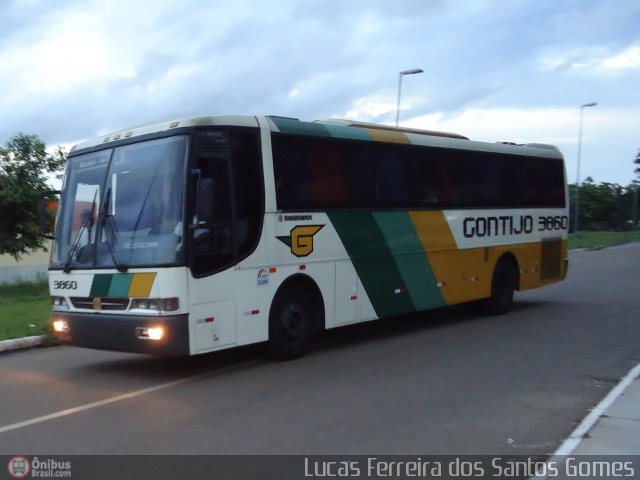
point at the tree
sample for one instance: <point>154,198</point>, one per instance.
<point>24,165</point>
<point>636,186</point>
<point>604,205</point>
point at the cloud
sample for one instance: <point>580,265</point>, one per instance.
<point>596,59</point>
<point>629,58</point>
<point>542,125</point>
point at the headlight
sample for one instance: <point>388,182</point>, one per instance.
<point>60,326</point>
<point>150,333</point>
<point>59,303</point>
<point>156,304</point>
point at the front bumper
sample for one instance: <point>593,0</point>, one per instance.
<point>121,332</point>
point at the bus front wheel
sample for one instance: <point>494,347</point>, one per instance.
<point>291,323</point>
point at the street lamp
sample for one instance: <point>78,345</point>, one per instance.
<point>413,71</point>
<point>577,209</point>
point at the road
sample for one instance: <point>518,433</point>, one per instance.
<point>448,381</point>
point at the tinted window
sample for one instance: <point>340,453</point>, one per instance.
<point>228,165</point>
<point>326,173</point>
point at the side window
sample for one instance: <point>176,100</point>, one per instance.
<point>549,180</point>
<point>227,199</point>
<point>422,176</point>
<point>481,179</point>
<point>327,175</point>
<point>362,175</point>
<point>555,187</point>
<point>291,177</point>
<point>211,228</point>
<point>391,182</point>
<point>535,182</point>
<point>248,190</point>
<point>319,173</point>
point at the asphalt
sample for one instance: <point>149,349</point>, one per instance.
<point>611,428</point>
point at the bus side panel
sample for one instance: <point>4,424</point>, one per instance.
<point>412,261</point>
<point>373,264</point>
<point>308,244</point>
<point>465,246</point>
<point>389,260</point>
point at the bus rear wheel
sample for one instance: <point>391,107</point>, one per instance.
<point>291,323</point>
<point>503,286</point>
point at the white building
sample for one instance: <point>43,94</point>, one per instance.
<point>30,267</point>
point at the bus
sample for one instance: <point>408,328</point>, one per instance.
<point>212,232</point>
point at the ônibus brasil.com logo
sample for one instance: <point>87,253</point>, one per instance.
<point>19,467</point>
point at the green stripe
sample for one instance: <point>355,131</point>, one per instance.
<point>109,285</point>
<point>373,261</point>
<point>120,285</point>
<point>292,125</point>
<point>101,284</point>
<point>410,258</point>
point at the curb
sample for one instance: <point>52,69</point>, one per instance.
<point>19,343</point>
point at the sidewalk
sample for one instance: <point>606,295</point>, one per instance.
<point>613,426</point>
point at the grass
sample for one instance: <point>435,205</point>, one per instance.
<point>601,239</point>
<point>24,309</point>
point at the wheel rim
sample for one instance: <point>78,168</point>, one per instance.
<point>292,321</point>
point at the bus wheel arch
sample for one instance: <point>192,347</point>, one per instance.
<point>295,316</point>
<point>504,282</point>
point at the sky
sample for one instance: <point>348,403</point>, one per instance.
<point>494,70</point>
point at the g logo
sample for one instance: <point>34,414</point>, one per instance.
<point>301,239</point>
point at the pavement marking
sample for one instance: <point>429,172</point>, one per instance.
<point>107,401</point>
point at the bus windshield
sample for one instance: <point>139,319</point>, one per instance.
<point>122,207</point>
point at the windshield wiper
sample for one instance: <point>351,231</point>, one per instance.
<point>112,233</point>
<point>86,225</point>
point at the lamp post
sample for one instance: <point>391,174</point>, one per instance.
<point>577,209</point>
<point>634,210</point>
<point>413,71</point>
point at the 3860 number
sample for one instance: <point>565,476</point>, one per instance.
<point>65,284</point>
<point>553,223</point>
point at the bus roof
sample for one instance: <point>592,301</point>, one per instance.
<point>378,126</point>
<point>200,121</point>
<point>348,129</point>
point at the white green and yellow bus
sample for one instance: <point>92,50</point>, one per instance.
<point>207,233</point>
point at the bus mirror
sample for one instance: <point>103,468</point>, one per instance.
<point>47,208</point>
<point>201,236</point>
<point>204,200</point>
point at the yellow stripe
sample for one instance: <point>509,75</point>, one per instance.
<point>456,270</point>
<point>141,284</point>
<point>433,230</point>
<point>387,136</point>
<point>465,275</point>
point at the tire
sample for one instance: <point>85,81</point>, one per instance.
<point>503,285</point>
<point>291,323</point>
